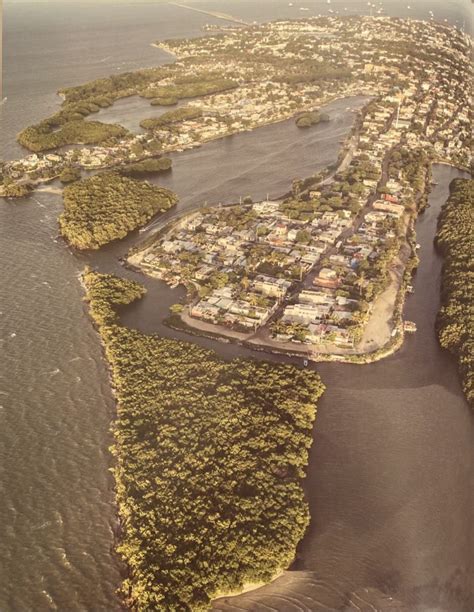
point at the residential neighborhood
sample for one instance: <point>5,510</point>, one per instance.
<point>306,269</point>
<point>278,70</point>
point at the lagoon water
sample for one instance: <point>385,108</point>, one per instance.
<point>390,479</point>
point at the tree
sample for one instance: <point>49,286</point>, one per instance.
<point>108,206</point>
<point>176,308</point>
<point>455,240</point>
<point>303,237</point>
<point>15,190</point>
<point>70,174</point>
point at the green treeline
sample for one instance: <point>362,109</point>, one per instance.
<point>311,118</point>
<point>70,174</point>
<point>455,240</point>
<point>108,206</point>
<point>147,166</point>
<point>67,126</point>
<point>193,89</point>
<point>113,87</point>
<point>209,458</point>
<point>186,113</point>
<point>15,190</point>
<point>46,135</point>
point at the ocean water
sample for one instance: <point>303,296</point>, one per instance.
<point>390,478</point>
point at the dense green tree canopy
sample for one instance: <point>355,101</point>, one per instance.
<point>108,206</point>
<point>455,240</point>
<point>70,174</point>
<point>147,166</point>
<point>185,113</point>
<point>42,136</point>
<point>209,457</point>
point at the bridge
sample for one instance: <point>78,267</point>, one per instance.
<point>223,16</point>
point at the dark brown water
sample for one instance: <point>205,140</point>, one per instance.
<point>390,481</point>
<point>390,477</point>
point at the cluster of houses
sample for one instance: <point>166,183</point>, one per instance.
<point>363,47</point>
<point>39,165</point>
<point>48,166</point>
<point>257,263</point>
<point>252,264</point>
<point>427,62</point>
<point>329,309</point>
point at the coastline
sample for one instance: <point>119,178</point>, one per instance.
<point>403,415</point>
<point>179,148</point>
<point>247,587</point>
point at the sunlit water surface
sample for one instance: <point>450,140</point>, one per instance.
<point>390,477</point>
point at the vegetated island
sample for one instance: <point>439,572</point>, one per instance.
<point>107,207</point>
<point>154,165</point>
<point>310,118</point>
<point>51,134</point>
<point>455,241</point>
<point>209,460</point>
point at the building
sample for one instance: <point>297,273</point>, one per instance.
<point>273,287</point>
<point>315,297</point>
<point>390,207</point>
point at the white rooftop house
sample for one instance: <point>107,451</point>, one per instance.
<point>315,297</point>
<point>327,274</point>
<point>305,313</point>
<point>266,207</point>
<point>273,287</point>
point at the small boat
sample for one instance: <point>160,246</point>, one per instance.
<point>409,327</point>
<point>418,246</point>
<point>410,289</point>
<point>305,363</point>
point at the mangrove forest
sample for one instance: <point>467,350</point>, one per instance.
<point>209,457</point>
<point>455,241</point>
<point>107,207</point>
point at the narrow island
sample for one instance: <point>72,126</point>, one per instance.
<point>209,460</point>
<point>455,241</point>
